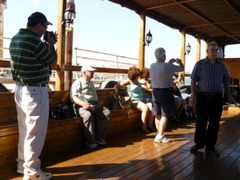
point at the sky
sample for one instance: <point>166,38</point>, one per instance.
<point>107,27</point>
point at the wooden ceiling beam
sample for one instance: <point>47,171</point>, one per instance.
<point>218,22</point>
<point>232,7</point>
<point>170,4</point>
<point>195,12</point>
<point>238,12</point>
<point>153,6</point>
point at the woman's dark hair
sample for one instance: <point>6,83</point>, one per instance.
<point>145,74</point>
<point>133,72</point>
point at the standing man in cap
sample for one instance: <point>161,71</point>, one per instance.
<point>30,61</point>
<point>85,104</point>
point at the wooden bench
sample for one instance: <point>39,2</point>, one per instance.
<point>62,134</point>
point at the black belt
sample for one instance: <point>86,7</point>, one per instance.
<point>162,88</point>
<point>36,85</point>
<point>210,93</point>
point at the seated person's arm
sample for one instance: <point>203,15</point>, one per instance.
<point>77,98</point>
<point>120,85</point>
<point>79,102</point>
<point>144,87</point>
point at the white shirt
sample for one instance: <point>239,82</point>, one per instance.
<point>82,88</point>
<point>161,74</point>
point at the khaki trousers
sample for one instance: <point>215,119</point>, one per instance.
<point>32,105</point>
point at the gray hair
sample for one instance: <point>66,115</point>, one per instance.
<point>211,43</point>
<point>160,54</point>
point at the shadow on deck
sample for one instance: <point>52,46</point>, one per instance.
<point>134,155</point>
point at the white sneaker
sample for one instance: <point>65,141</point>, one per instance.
<point>101,142</point>
<point>166,140</point>
<point>157,138</point>
<point>38,176</point>
<point>162,138</point>
<point>92,146</point>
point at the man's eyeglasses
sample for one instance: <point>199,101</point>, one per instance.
<point>214,50</point>
<point>44,25</point>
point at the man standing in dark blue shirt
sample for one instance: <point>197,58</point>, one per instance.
<point>208,78</point>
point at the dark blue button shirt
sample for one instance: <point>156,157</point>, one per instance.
<point>210,77</point>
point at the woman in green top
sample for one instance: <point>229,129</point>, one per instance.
<point>134,89</point>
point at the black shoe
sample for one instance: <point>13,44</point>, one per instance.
<point>195,148</point>
<point>212,152</point>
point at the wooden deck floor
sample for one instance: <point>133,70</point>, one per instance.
<point>135,156</point>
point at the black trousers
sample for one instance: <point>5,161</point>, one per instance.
<point>209,111</point>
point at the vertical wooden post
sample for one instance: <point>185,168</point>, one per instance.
<point>68,58</point>
<point>59,85</point>
<point>141,58</point>
<point>60,45</point>
<point>183,46</point>
<point>1,26</point>
<point>198,50</point>
<point>206,45</point>
<point>183,50</point>
<point>223,49</point>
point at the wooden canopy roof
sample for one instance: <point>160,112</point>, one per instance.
<point>217,20</point>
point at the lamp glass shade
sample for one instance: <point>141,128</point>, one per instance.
<point>188,48</point>
<point>149,37</point>
<point>69,15</point>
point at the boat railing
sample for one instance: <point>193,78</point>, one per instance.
<point>109,66</point>
<point>101,59</point>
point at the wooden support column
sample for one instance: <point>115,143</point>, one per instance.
<point>183,46</point>
<point>68,57</point>
<point>1,26</point>
<point>206,46</point>
<point>198,49</point>
<point>59,85</point>
<point>183,50</point>
<point>141,58</point>
<point>223,50</point>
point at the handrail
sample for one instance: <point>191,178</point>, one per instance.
<point>105,53</point>
<point>1,37</point>
<point>96,59</point>
<point>4,48</point>
<point>5,59</point>
<point>108,58</point>
<point>105,67</point>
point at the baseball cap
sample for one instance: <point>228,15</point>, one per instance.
<point>38,17</point>
<point>87,68</point>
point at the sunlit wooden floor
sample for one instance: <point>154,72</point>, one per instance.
<point>136,156</point>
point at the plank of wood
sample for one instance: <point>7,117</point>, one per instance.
<point>6,96</point>
<point>7,104</point>
<point>8,118</point>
